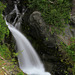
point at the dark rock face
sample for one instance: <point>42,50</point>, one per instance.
<point>42,29</point>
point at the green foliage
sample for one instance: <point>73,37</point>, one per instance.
<point>71,49</point>
<point>15,54</point>
<point>20,73</point>
<point>4,51</point>
<point>70,52</point>
<point>3,28</point>
<point>59,1</point>
<point>46,38</point>
<point>73,70</point>
<point>56,14</point>
<point>2,6</point>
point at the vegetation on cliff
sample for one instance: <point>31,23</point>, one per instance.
<point>69,56</point>
<point>4,32</point>
<point>56,13</point>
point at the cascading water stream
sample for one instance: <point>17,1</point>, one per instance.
<point>29,61</point>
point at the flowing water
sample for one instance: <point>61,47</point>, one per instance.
<point>29,61</point>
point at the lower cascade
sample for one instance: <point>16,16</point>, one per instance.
<point>29,61</point>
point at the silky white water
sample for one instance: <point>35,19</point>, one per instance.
<point>29,61</point>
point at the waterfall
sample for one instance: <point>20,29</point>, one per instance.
<point>29,61</point>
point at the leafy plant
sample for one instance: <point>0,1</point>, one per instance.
<point>4,51</point>
<point>20,73</point>
<point>3,28</point>
<point>71,49</point>
<point>70,52</point>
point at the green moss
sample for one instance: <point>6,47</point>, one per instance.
<point>3,28</point>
